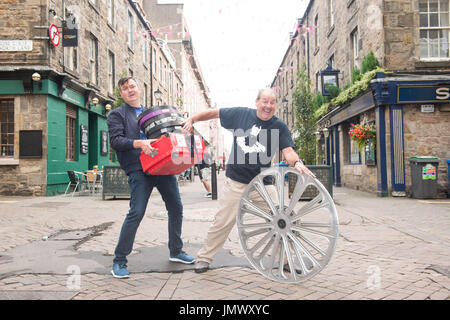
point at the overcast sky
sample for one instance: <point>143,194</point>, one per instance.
<point>240,43</point>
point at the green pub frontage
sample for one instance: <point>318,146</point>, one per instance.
<point>411,115</point>
<point>49,125</point>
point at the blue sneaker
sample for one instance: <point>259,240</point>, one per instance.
<point>182,257</point>
<point>120,271</point>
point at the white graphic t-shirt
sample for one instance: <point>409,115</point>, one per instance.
<point>255,142</point>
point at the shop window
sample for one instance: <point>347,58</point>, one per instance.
<point>355,155</point>
<point>434,29</point>
<point>7,127</point>
<point>71,119</point>
<point>370,151</point>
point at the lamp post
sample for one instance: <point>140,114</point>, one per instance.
<point>326,134</point>
<point>318,135</point>
<point>158,95</point>
<point>329,77</point>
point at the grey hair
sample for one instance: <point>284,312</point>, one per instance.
<point>270,90</point>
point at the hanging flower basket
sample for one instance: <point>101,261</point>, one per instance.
<point>363,135</point>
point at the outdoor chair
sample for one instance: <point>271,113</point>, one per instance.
<point>76,181</point>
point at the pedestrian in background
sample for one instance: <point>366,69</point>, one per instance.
<point>204,173</point>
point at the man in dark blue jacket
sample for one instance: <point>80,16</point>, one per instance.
<point>128,140</point>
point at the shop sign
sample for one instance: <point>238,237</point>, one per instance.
<point>70,36</point>
<point>84,145</point>
<point>427,108</point>
<point>429,172</point>
<point>16,45</point>
<point>104,142</point>
<point>421,94</point>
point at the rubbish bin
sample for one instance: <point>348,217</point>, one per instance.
<point>424,177</point>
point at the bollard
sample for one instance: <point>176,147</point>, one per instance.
<point>213,181</point>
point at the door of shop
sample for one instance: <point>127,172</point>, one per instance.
<point>93,140</point>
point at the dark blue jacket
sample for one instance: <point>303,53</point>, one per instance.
<point>123,130</point>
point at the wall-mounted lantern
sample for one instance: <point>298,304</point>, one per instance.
<point>329,77</point>
<point>36,77</point>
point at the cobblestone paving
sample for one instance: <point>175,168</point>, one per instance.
<point>388,248</point>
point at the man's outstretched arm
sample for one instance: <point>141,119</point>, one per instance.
<point>202,116</point>
<point>293,159</point>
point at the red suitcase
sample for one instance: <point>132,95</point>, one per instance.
<point>173,154</point>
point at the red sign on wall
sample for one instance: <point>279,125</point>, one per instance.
<point>54,35</point>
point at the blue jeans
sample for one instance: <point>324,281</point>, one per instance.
<point>141,186</point>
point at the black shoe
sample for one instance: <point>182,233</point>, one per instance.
<point>201,266</point>
<point>286,268</point>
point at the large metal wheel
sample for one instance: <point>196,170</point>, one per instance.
<point>284,237</point>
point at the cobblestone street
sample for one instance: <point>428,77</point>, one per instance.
<point>389,248</point>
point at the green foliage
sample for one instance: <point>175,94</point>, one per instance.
<point>322,110</point>
<point>319,100</point>
<point>305,108</point>
<point>369,63</point>
<point>356,74</point>
<point>119,101</point>
<point>334,91</point>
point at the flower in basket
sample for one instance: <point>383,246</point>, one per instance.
<point>362,134</point>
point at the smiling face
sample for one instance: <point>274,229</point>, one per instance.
<point>130,93</point>
<point>266,104</point>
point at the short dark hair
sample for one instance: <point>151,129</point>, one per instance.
<point>124,80</point>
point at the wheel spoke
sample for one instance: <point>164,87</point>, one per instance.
<point>261,242</point>
<point>305,251</point>
<point>253,209</point>
<point>320,251</point>
<point>264,194</point>
<point>279,244</point>
<point>280,187</point>
<point>289,258</point>
<point>318,233</point>
<point>273,253</point>
<point>299,256</point>
<point>315,225</point>
<point>296,195</point>
<point>264,251</point>
<point>315,204</point>
<point>256,232</point>
<point>257,225</point>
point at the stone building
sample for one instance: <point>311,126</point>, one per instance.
<point>409,104</point>
<point>55,96</point>
<point>172,30</point>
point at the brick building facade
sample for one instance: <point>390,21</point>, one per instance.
<point>61,95</point>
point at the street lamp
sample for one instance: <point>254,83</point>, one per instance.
<point>326,133</point>
<point>318,135</point>
<point>329,77</point>
<point>158,95</point>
